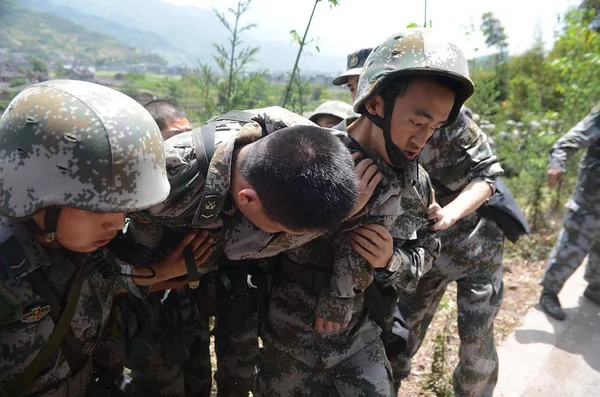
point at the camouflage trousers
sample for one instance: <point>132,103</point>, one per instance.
<point>170,356</point>
<point>366,373</point>
<point>237,327</point>
<point>472,256</point>
<point>579,237</point>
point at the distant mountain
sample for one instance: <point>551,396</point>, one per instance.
<point>23,29</point>
<point>181,34</point>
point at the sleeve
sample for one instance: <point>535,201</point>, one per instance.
<point>583,135</point>
<point>484,165</point>
<point>352,274</point>
<point>415,246</point>
<point>460,154</point>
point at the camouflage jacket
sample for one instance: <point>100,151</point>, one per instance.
<point>586,134</point>
<point>26,322</point>
<point>458,155</point>
<point>399,204</point>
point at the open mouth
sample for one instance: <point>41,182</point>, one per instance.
<point>411,155</point>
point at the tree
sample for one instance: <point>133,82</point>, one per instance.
<point>38,65</point>
<point>495,36</point>
<point>494,33</point>
<point>286,94</point>
<point>232,60</point>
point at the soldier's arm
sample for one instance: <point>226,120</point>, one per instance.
<point>476,171</point>
<point>586,132</point>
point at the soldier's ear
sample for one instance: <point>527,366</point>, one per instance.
<point>248,197</point>
<point>375,105</point>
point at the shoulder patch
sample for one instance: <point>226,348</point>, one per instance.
<point>10,308</point>
<point>13,260</point>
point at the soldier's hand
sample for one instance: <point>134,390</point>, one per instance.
<point>173,264</point>
<point>554,177</point>
<point>368,176</point>
<point>322,325</point>
<point>374,243</point>
<point>442,217</point>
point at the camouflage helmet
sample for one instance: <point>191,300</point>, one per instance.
<point>338,109</point>
<point>354,64</point>
<point>80,145</point>
<point>414,51</point>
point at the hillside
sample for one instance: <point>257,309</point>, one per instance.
<point>187,31</point>
<point>140,39</point>
<point>23,29</point>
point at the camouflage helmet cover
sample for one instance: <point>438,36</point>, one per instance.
<point>354,63</point>
<point>412,52</point>
<point>334,108</point>
<point>81,145</point>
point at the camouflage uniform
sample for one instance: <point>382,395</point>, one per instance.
<point>237,238</point>
<point>580,233</point>
<point>471,255</point>
<point>96,150</point>
<point>301,362</point>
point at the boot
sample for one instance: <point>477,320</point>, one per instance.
<point>551,305</point>
<point>592,292</point>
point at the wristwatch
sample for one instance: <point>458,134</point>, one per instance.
<point>394,264</point>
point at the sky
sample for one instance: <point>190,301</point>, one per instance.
<point>358,24</point>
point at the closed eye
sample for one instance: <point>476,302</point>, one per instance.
<point>416,124</point>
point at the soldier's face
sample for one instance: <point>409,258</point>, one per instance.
<point>328,121</point>
<point>423,109</point>
<point>175,127</point>
<point>352,83</point>
<point>86,231</point>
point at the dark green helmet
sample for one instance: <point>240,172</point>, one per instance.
<point>414,51</point>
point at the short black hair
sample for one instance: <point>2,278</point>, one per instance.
<point>164,112</point>
<point>304,176</point>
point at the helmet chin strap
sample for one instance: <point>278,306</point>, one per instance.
<point>397,157</point>
<point>50,224</point>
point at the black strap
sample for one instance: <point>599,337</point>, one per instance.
<point>51,222</point>
<point>23,382</point>
<point>397,157</point>
<point>70,346</point>
<point>204,145</point>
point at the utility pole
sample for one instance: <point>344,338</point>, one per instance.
<point>425,16</point>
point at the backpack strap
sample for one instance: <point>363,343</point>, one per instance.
<point>70,346</point>
<point>23,382</point>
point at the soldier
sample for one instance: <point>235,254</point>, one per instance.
<point>580,234</point>
<point>176,335</point>
<point>331,113</point>
<point>306,178</point>
<point>404,94</point>
<point>355,63</point>
<point>463,170</point>
<point>102,156</point>
<point>171,119</point>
